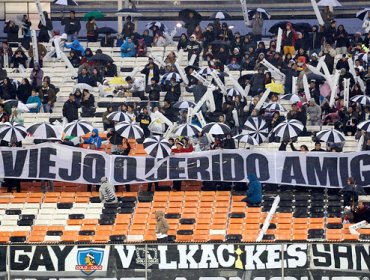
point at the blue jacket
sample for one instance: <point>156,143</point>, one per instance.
<point>34,99</point>
<point>94,139</point>
<point>254,192</point>
<point>128,49</point>
<point>76,46</point>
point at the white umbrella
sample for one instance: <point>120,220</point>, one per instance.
<point>257,128</point>
<point>246,138</point>
<point>365,125</point>
<point>330,136</point>
<point>288,129</point>
<point>78,128</point>
<point>187,130</point>
<point>12,132</point>
<point>265,15</point>
<point>129,130</point>
<point>83,86</point>
<point>363,13</point>
<point>333,3</point>
<point>232,92</point>
<point>43,130</point>
<point>184,105</point>
<point>220,15</point>
<point>362,99</point>
<point>173,75</point>
<point>118,116</point>
<point>205,71</point>
<point>129,12</point>
<point>216,128</point>
<point>65,3</point>
<point>293,98</point>
<point>157,147</point>
<point>274,106</point>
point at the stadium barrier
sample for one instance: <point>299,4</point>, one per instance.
<point>180,261</point>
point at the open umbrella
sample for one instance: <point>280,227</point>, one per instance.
<point>101,57</point>
<point>365,125</point>
<point>288,129</point>
<point>106,30</point>
<point>362,99</point>
<point>363,13</point>
<point>185,15</point>
<point>117,81</point>
<point>265,15</point>
<point>94,14</point>
<point>220,43</point>
<point>232,92</point>
<point>274,106</point>
<point>299,26</point>
<point>275,87</point>
<point>118,117</point>
<point>78,128</point>
<point>246,138</point>
<point>216,128</point>
<point>330,136</point>
<point>257,128</point>
<point>173,75</point>
<point>293,98</point>
<point>43,130</point>
<point>12,132</point>
<point>157,147</point>
<point>187,130</point>
<point>83,86</point>
<point>65,3</point>
<point>184,105</point>
<point>128,12</point>
<point>129,130</point>
<point>157,24</point>
<point>14,103</point>
<point>205,71</point>
<point>220,15</point>
<point>333,3</point>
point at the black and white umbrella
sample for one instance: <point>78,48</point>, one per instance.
<point>232,92</point>
<point>187,130</point>
<point>65,3</point>
<point>14,103</point>
<point>216,128</point>
<point>263,12</point>
<point>246,138</point>
<point>362,99</point>
<point>257,128</point>
<point>129,130</point>
<point>363,13</point>
<point>173,75</point>
<point>205,71</point>
<point>78,128</point>
<point>159,25</point>
<point>157,147</point>
<point>43,130</point>
<point>118,116</point>
<point>288,129</point>
<point>82,86</point>
<point>365,125</point>
<point>184,105</point>
<point>330,136</point>
<point>12,132</point>
<point>293,98</point>
<point>333,3</point>
<point>220,15</point>
<point>274,106</point>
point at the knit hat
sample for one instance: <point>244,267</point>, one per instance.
<point>104,179</point>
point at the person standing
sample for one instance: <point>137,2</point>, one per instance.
<point>107,193</point>
<point>257,25</point>
<point>128,27</point>
<point>36,76</point>
<point>72,26</point>
<point>11,29</point>
<point>288,40</point>
<point>161,228</point>
<point>198,90</point>
<point>70,109</point>
<point>44,36</point>
<point>26,32</point>
<point>144,120</point>
<point>48,97</point>
<point>91,30</point>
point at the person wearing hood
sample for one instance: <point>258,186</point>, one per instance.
<point>254,193</point>
<point>19,58</point>
<point>313,113</point>
<point>128,48</point>
<point>44,36</point>
<point>183,42</point>
<point>228,142</point>
<point>225,34</point>
<point>94,140</point>
<point>11,29</point>
<point>76,46</point>
<point>161,228</point>
<point>147,38</point>
<point>107,193</point>
<point>72,26</point>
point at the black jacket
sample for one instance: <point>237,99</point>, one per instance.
<point>71,25</point>
<point>70,110</point>
<point>114,138</point>
<point>154,92</point>
<point>12,32</point>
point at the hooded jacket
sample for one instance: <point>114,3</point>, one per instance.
<point>128,49</point>
<point>94,139</point>
<point>162,225</point>
<point>254,192</point>
<point>76,46</point>
<point>107,192</point>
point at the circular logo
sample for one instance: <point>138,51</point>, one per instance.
<point>365,278</point>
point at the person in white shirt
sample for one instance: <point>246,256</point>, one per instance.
<point>366,24</point>
<point>136,86</point>
<point>107,193</point>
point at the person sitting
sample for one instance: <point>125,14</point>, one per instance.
<point>34,99</point>
<point>94,140</point>
<point>107,193</point>
<point>128,48</point>
<point>161,228</point>
<point>19,58</point>
<point>84,77</point>
<point>74,59</point>
<point>115,140</point>
<point>362,213</point>
<point>125,147</point>
<point>254,193</point>
<point>76,46</point>
<point>140,48</point>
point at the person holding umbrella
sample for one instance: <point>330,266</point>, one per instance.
<point>128,27</point>
<point>72,26</point>
<point>92,30</point>
<point>257,25</point>
<point>191,19</point>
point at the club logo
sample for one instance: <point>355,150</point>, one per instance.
<point>89,260</point>
<point>151,256</point>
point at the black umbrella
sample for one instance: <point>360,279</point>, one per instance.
<point>220,43</point>
<point>65,3</point>
<point>184,15</point>
<point>363,13</point>
<point>129,12</point>
<point>302,27</point>
<point>101,57</point>
<point>317,78</point>
<point>265,15</point>
<point>157,24</point>
<point>106,30</point>
<point>157,147</point>
<point>220,15</point>
<point>274,29</point>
